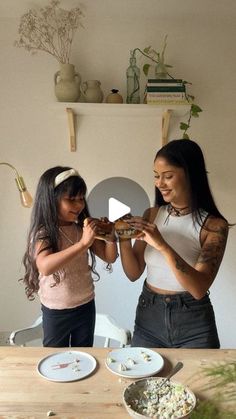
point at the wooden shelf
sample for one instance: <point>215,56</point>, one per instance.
<point>122,109</point>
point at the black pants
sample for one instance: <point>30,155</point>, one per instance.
<point>174,321</point>
<point>69,327</point>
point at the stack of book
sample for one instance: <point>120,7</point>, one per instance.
<point>165,91</point>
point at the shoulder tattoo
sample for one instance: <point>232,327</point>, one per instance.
<point>213,251</point>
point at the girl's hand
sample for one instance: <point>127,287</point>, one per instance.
<point>89,232</point>
<point>148,232</point>
<point>110,235</point>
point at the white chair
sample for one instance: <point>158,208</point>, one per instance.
<point>105,327</point>
<point>24,337</point>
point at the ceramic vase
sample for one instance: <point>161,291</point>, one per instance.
<point>114,97</point>
<point>67,83</point>
<point>92,91</point>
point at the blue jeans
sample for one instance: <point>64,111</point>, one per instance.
<point>174,321</point>
<point>69,327</point>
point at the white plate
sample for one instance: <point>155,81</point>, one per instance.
<point>67,366</point>
<point>146,362</point>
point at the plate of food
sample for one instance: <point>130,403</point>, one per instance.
<point>66,366</point>
<point>134,362</point>
<point>156,397</point>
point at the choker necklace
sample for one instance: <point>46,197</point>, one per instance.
<point>177,212</point>
<point>67,237</point>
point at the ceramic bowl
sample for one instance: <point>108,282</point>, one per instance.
<point>175,401</point>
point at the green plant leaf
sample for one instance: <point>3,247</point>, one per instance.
<point>147,49</point>
<point>146,69</point>
<point>195,108</point>
<point>184,126</point>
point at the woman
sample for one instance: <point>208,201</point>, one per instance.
<point>182,243</point>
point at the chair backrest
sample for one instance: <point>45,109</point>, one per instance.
<point>105,327</point>
<point>25,336</point>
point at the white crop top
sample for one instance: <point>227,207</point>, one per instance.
<point>184,237</point>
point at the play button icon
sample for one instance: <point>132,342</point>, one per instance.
<point>115,197</point>
<point>117,209</point>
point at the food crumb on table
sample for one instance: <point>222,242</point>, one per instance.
<point>51,413</point>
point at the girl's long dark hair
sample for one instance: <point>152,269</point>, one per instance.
<point>188,155</point>
<point>44,223</point>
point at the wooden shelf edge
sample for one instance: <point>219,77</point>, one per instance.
<point>123,109</point>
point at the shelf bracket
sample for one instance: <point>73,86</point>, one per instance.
<point>165,125</point>
<point>71,124</point>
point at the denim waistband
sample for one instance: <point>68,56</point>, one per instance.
<point>180,297</point>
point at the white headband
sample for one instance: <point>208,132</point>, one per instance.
<point>64,175</point>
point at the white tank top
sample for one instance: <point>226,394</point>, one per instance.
<point>184,237</point>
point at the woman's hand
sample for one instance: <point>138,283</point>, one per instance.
<point>148,232</point>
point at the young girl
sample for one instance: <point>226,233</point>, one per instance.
<point>182,243</point>
<point>57,260</point>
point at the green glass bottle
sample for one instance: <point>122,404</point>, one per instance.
<point>133,81</point>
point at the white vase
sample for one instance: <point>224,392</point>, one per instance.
<point>67,83</point>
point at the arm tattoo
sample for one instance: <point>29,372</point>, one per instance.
<point>180,265</point>
<point>213,251</point>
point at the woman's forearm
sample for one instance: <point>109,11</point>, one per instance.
<point>192,280</point>
<point>129,260</point>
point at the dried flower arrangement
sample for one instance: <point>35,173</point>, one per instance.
<point>50,29</point>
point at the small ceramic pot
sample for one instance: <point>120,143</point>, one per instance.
<point>114,97</point>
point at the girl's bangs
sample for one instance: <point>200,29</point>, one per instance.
<point>73,186</point>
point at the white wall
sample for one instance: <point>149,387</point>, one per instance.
<point>34,135</point>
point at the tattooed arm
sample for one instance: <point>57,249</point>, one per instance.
<point>198,279</point>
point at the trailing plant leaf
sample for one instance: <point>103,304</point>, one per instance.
<point>158,58</point>
<point>184,126</point>
<point>146,69</point>
<point>195,109</point>
<point>194,112</point>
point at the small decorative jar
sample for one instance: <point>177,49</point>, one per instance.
<point>92,91</point>
<point>114,97</point>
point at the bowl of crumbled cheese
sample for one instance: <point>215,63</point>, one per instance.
<point>154,397</point>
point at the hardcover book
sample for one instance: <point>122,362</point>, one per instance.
<point>165,88</point>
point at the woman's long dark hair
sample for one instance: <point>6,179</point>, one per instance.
<point>188,155</point>
<point>44,223</point>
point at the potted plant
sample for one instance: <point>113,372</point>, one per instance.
<point>51,29</point>
<point>162,72</point>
